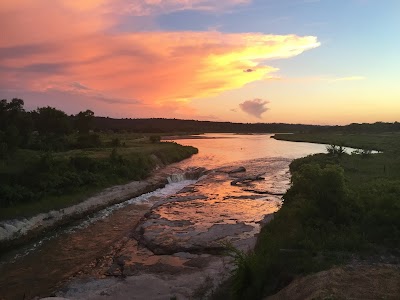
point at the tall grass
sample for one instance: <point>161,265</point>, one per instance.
<point>337,207</point>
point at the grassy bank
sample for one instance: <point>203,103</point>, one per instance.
<point>389,141</point>
<point>34,181</point>
<point>339,207</point>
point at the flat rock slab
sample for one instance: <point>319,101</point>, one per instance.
<point>201,219</point>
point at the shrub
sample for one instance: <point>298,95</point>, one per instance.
<point>88,141</point>
<point>155,138</point>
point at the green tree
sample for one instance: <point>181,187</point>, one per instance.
<point>15,127</point>
<point>84,121</point>
<point>50,121</point>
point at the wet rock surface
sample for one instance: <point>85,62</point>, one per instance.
<point>177,249</point>
<point>203,217</point>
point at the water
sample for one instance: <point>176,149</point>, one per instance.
<point>219,149</point>
<point>44,265</point>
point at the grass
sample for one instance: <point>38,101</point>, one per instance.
<point>37,181</point>
<point>338,207</point>
<point>389,141</point>
<point>48,203</point>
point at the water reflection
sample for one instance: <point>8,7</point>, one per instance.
<point>219,149</point>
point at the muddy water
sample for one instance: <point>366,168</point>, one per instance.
<point>52,261</point>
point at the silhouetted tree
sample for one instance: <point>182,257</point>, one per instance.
<point>51,121</point>
<point>84,121</point>
<point>15,125</point>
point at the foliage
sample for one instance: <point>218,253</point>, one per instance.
<point>15,126</point>
<point>51,175</point>
<point>84,121</point>
<point>334,208</point>
<point>51,121</point>
<point>91,140</point>
<point>155,138</point>
<point>387,141</point>
<point>48,159</point>
<point>337,150</point>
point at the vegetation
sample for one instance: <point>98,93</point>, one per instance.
<point>158,125</point>
<point>339,206</point>
<point>383,141</point>
<point>50,160</point>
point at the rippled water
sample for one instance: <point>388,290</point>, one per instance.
<point>38,268</point>
<point>220,149</point>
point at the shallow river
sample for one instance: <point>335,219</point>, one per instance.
<point>41,267</point>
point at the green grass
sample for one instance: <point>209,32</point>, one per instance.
<point>37,181</point>
<point>339,207</point>
<point>48,203</point>
<point>389,141</point>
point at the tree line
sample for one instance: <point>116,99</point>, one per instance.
<point>45,128</point>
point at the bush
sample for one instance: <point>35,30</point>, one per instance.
<point>116,142</point>
<point>88,141</point>
<point>155,138</point>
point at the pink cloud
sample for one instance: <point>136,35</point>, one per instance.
<point>53,45</point>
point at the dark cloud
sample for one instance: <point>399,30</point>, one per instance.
<point>255,107</point>
<point>113,100</point>
<point>50,68</point>
<point>79,86</point>
<point>23,50</point>
<point>248,70</point>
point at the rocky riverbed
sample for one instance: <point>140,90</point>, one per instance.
<point>177,249</point>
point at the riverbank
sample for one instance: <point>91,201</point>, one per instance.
<point>340,208</point>
<point>387,142</point>
<point>66,252</point>
<point>26,226</point>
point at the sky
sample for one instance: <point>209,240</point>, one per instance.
<point>292,61</point>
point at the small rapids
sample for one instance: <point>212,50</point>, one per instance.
<point>176,182</point>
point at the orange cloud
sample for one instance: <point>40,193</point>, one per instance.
<point>60,45</point>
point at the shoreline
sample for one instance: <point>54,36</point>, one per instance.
<point>38,225</point>
<point>21,231</point>
<point>281,137</point>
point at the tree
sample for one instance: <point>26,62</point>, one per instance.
<point>15,127</point>
<point>51,121</point>
<point>84,121</point>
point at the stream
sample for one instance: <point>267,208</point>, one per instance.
<point>163,235</point>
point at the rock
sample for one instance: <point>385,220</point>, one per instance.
<point>237,170</point>
<point>114,270</point>
<point>266,220</point>
<point>173,241</point>
<point>247,179</point>
<point>194,173</point>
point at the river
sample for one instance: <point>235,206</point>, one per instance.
<point>48,264</point>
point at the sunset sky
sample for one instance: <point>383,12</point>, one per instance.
<point>293,61</point>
